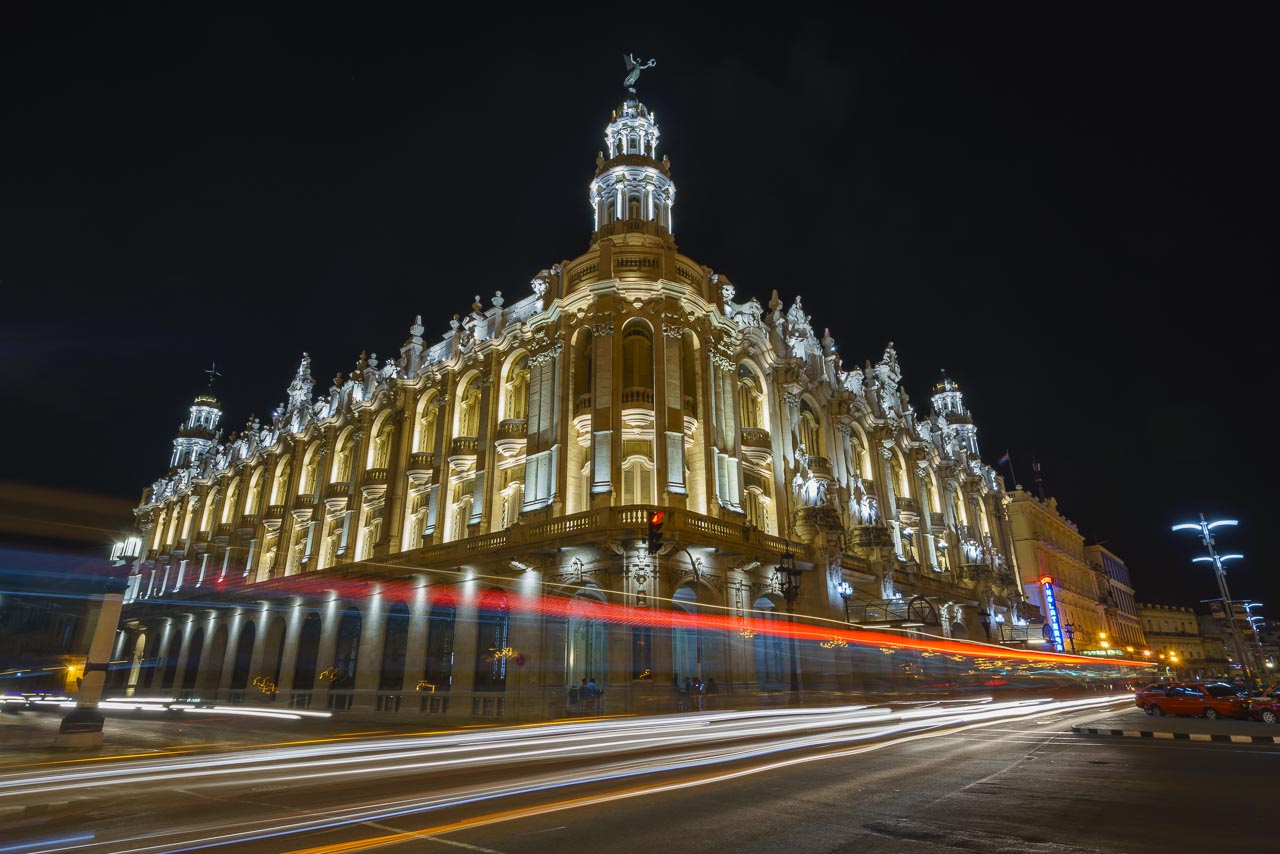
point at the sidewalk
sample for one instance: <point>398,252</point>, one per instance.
<point>1135,723</point>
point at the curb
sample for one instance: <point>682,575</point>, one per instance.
<point>1180,736</point>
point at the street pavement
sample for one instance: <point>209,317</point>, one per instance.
<point>931,778</point>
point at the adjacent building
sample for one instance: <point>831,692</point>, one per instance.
<point>1176,645</point>
<point>1124,628</point>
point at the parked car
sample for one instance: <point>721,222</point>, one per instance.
<point>1215,700</point>
<point>1148,694</point>
<point>1266,707</point>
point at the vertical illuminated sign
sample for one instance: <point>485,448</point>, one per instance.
<point>1051,607</point>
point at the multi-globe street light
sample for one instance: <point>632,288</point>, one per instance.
<point>1205,529</point>
<point>845,589</point>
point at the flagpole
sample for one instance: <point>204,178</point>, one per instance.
<point>1008,458</point>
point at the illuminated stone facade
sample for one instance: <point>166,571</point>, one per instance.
<point>521,453</point>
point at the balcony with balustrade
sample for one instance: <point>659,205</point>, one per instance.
<point>512,437</point>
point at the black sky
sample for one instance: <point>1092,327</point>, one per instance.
<point>1070,209</point>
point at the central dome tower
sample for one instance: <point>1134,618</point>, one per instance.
<point>632,190</point>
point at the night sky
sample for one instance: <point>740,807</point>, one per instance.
<point>1071,210</point>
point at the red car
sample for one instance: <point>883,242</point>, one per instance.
<point>1266,707</point>
<point>1190,698</point>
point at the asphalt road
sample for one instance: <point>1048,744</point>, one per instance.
<point>960,777</point>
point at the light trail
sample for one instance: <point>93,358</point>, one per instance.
<point>662,745</point>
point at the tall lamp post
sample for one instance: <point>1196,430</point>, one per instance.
<point>82,727</point>
<point>1070,631</point>
<point>789,581</point>
<point>1205,530</point>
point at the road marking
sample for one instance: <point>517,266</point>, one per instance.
<point>412,835</point>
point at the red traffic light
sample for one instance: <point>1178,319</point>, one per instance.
<point>655,518</point>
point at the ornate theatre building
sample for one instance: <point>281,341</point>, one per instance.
<point>389,544</point>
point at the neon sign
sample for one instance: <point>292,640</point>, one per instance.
<point>1051,606</point>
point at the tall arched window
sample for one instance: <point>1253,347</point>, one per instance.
<point>254,494</point>
<point>280,484</point>
<point>515,392</point>
<point>310,469</point>
<point>750,400</point>
<point>811,431</point>
<point>342,459</point>
<point>380,447</point>
<point>637,359</point>
<point>424,428</point>
<point>468,409</point>
<point>229,504</point>
<point>395,644</point>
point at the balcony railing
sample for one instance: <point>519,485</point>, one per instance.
<point>275,511</point>
<point>754,437</point>
<point>583,404</point>
<point>633,396</point>
<point>248,521</point>
<point>421,461</point>
<point>464,445</point>
<point>514,428</point>
<point>373,476</point>
<point>341,489</point>
<point>305,500</point>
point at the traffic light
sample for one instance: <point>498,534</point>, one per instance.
<point>655,530</point>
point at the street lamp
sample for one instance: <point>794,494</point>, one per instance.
<point>789,582</point>
<point>1205,529</point>
<point>82,727</point>
<point>845,589</point>
<point>1070,631</point>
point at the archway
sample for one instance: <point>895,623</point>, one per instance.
<point>304,668</point>
<point>587,641</point>
<point>437,670</point>
<point>212,677</point>
<point>395,643</point>
<point>770,648</point>
<point>171,661</point>
<point>492,641</point>
<point>192,665</point>
<point>346,655</point>
<point>273,649</point>
<point>244,657</point>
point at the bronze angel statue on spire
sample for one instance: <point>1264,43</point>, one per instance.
<point>633,71</point>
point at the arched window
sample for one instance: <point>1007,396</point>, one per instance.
<point>468,409</point>
<point>342,459</point>
<point>424,428</point>
<point>637,359</point>
<point>280,484</point>
<point>758,509</point>
<point>515,392</point>
<point>229,504</point>
<point>633,207</point>
<point>395,644</point>
<point>255,492</point>
<point>380,447</point>
<point>811,431</point>
<point>310,468</point>
<point>750,400</point>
